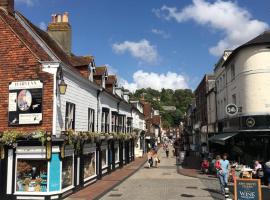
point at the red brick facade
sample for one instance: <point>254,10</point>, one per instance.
<point>18,63</point>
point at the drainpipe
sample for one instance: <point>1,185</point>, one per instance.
<point>98,148</point>
<point>98,105</point>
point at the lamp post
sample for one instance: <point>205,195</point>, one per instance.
<point>62,85</point>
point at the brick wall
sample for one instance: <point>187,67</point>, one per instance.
<point>17,63</point>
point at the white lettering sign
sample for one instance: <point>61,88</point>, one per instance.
<point>25,85</point>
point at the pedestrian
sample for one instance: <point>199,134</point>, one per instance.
<point>167,150</point>
<point>156,159</point>
<point>223,172</point>
<point>150,158</point>
<point>267,172</point>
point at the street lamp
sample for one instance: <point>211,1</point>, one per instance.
<point>62,85</point>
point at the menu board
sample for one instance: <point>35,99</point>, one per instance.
<point>247,189</point>
<point>25,102</point>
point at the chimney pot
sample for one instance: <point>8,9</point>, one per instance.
<point>8,5</point>
<point>65,17</point>
<point>53,18</point>
<point>59,18</point>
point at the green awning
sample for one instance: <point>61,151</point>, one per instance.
<point>221,138</point>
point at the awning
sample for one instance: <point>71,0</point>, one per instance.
<point>221,138</point>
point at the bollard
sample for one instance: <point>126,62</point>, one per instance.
<point>227,194</point>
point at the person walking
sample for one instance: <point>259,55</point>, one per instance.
<point>150,158</point>
<point>156,159</point>
<point>167,150</point>
<point>223,173</point>
<point>267,172</point>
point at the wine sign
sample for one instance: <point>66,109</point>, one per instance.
<point>25,102</point>
<point>247,189</point>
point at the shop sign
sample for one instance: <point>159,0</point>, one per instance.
<point>247,189</point>
<point>231,109</point>
<point>25,102</point>
<point>250,122</point>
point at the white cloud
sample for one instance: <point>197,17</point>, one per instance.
<point>237,23</point>
<point>27,2</point>
<point>42,26</point>
<point>142,50</point>
<point>155,81</point>
<point>162,33</point>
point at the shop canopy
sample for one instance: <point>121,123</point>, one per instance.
<point>221,138</point>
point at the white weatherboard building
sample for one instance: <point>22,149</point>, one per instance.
<point>86,128</point>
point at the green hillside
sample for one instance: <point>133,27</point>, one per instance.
<point>180,98</point>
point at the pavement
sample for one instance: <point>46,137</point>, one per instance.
<point>164,183</point>
<point>108,182</point>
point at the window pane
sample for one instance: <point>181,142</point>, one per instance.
<point>104,157</point>
<point>89,165</point>
<point>31,175</point>
<point>116,153</point>
<point>67,171</point>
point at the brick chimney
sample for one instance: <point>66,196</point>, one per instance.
<point>7,5</point>
<point>60,30</point>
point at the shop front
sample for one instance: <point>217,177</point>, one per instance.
<point>31,170</point>
<point>88,164</point>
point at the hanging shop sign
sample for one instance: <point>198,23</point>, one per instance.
<point>250,122</point>
<point>231,109</point>
<point>247,189</point>
<point>25,102</point>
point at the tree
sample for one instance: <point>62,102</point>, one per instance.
<point>179,98</point>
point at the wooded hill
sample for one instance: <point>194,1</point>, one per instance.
<point>180,98</point>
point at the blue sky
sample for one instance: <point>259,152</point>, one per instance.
<point>155,43</point>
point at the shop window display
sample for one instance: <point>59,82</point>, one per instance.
<point>104,157</point>
<point>67,172</point>
<point>31,175</point>
<point>89,165</point>
<point>116,153</point>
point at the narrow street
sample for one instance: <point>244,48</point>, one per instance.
<point>164,183</point>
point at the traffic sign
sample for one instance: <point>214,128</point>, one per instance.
<point>231,109</point>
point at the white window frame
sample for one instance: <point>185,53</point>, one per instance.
<point>90,150</point>
<point>38,153</point>
<point>70,115</point>
<point>91,119</point>
<point>104,148</point>
<point>67,154</point>
<point>118,154</point>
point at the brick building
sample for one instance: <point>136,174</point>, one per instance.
<point>64,123</point>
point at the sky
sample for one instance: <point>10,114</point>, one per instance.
<point>155,43</point>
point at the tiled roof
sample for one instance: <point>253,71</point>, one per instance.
<point>26,38</point>
<point>78,61</point>
<point>72,60</point>
<point>112,79</point>
<point>100,71</point>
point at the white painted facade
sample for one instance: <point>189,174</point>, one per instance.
<point>83,95</point>
<point>139,125</point>
<point>107,101</point>
<point>244,82</point>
